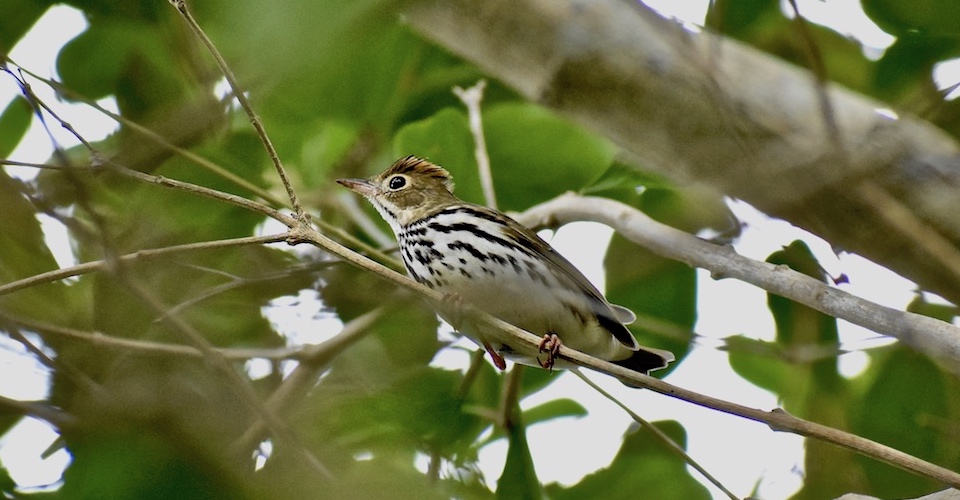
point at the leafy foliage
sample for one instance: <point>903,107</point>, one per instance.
<point>344,87</point>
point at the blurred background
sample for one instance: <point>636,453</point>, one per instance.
<point>96,404</point>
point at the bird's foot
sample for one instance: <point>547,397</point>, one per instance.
<point>551,345</point>
<point>495,356</point>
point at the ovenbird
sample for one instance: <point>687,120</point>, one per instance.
<point>486,259</point>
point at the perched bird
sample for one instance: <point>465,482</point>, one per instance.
<point>490,261</point>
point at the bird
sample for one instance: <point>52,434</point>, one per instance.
<point>482,257</point>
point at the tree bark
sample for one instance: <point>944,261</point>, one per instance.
<point>699,108</point>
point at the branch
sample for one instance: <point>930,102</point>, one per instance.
<point>671,444</point>
<point>777,419</point>
<point>89,267</point>
<point>240,385</point>
<point>471,98</point>
<point>678,102</point>
<point>99,339</point>
<point>313,361</point>
<point>935,338</point>
<point>527,344</point>
<point>181,6</point>
<point>155,137</point>
<point>37,409</point>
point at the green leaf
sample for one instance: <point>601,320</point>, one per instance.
<point>943,312</point>
<point>7,484</point>
<point>24,253</point>
<point>351,61</point>
<point>96,77</point>
<point>760,363</point>
<point>519,478</point>
<point>535,379</point>
<point>14,122</point>
<point>140,465</point>
<point>643,468</point>
<point>621,182</point>
<point>527,168</point>
<point>444,139</point>
<point>322,149</point>
<point>536,155</point>
<point>765,26</point>
<point>379,478</point>
<point>420,408</point>
<point>654,287</point>
<point>689,208</point>
<point>738,18</point>
<point>553,409</point>
<point>556,408</point>
<point>928,16</point>
<point>800,327</point>
<point>17,19</point>
<point>132,58</point>
<point>803,359</point>
<point>907,406</point>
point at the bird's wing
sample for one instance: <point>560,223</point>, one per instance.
<point>611,317</point>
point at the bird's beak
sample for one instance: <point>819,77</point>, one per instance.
<point>362,187</point>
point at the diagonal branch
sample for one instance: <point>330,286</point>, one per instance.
<point>663,437</point>
<point>89,267</point>
<point>935,338</point>
<point>677,101</point>
<point>181,6</point>
<point>526,343</point>
<point>99,339</point>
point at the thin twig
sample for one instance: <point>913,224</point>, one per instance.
<point>208,193</point>
<point>241,282</point>
<point>671,444</point>
<point>476,362</point>
<point>181,6</point>
<point>219,195</point>
<point>99,339</point>
<point>157,138</point>
<point>472,98</point>
<point>312,362</point>
<point>240,385</point>
<point>62,366</point>
<point>347,205</point>
<point>88,267</point>
<point>42,410</point>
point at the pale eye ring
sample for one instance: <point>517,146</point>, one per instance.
<point>396,182</point>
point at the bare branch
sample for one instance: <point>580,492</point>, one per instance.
<point>526,343</point>
<point>313,362</point>
<point>99,339</point>
<point>933,337</point>
<point>89,267</point>
<point>37,409</point>
<point>471,98</point>
<point>156,138</point>
<point>680,103</point>
<point>240,385</point>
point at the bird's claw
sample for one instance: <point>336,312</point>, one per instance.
<point>551,345</point>
<point>495,356</point>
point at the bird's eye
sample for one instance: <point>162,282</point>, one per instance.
<point>397,182</point>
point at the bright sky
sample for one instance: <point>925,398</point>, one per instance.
<point>771,460</point>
